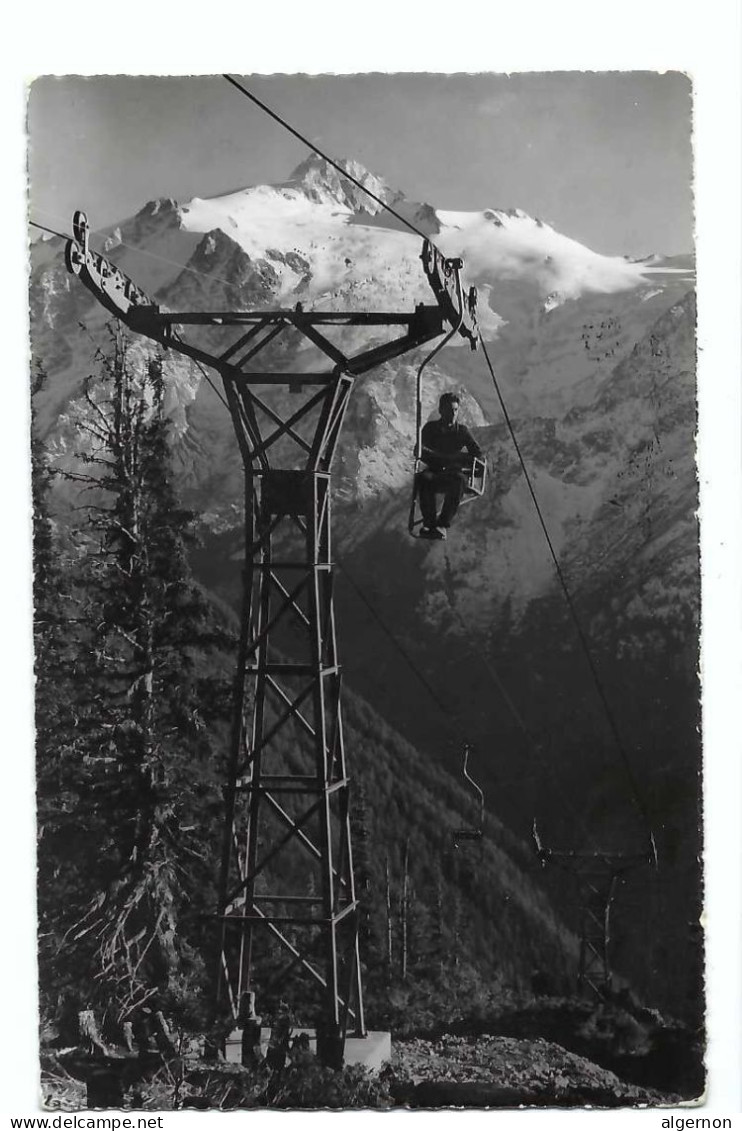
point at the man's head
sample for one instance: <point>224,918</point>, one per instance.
<point>448,407</point>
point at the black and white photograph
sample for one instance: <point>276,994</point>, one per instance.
<point>367,591</point>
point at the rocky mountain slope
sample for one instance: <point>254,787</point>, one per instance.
<point>595,358</point>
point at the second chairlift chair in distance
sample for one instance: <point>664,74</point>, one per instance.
<point>475,831</point>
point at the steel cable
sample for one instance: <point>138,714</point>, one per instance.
<point>310,144</point>
<point>570,604</point>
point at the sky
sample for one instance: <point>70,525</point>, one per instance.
<point>604,157</point>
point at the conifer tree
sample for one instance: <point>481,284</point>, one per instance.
<point>389,921</point>
<point>60,830</point>
<point>404,906</point>
<point>148,696</point>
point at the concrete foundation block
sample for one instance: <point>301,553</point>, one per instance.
<point>372,1051</point>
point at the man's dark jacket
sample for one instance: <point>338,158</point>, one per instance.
<point>440,440</point>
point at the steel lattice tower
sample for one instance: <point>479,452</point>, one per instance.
<point>597,874</point>
<point>287,864</point>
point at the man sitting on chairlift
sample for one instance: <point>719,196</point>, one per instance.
<point>447,450</point>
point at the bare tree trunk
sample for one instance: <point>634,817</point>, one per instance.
<point>389,954</point>
<point>438,927</point>
<point>404,906</point>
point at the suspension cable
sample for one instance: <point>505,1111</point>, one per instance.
<point>205,375</point>
<point>450,714</point>
<point>534,743</point>
<point>310,144</point>
<point>51,231</point>
<point>442,707</point>
<point>568,598</point>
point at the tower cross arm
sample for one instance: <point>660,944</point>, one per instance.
<point>122,297</point>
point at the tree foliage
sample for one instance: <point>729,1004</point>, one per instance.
<point>129,754</point>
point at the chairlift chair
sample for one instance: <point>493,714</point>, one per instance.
<point>471,832</point>
<point>444,276</point>
<point>476,474</point>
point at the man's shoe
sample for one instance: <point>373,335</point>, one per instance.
<point>432,532</point>
<point>440,532</point>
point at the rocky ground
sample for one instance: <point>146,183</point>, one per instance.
<point>450,1071</point>
<point>493,1071</point>
<point>545,1052</point>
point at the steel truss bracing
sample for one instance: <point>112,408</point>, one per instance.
<point>597,875</point>
<point>597,881</point>
<point>287,866</point>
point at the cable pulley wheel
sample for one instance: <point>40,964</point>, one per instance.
<point>72,258</point>
<point>79,226</point>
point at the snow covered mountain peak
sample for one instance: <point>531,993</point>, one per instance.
<point>513,246</point>
<point>326,239</point>
<point>318,216</point>
<point>322,182</point>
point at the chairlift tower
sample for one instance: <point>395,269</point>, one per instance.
<point>597,875</point>
<point>287,863</point>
